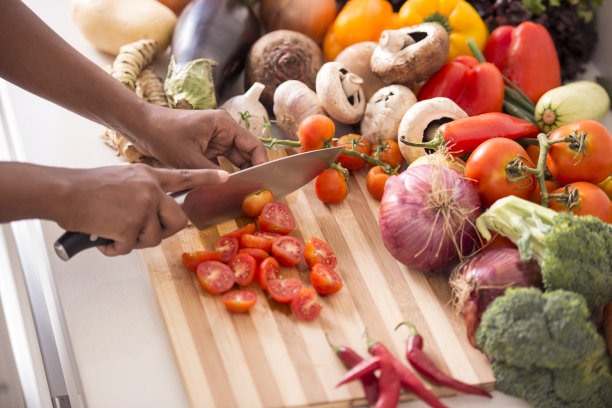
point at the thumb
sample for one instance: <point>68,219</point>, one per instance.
<point>172,180</point>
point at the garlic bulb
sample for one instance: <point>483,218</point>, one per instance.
<point>247,110</point>
<point>384,112</point>
<point>294,101</point>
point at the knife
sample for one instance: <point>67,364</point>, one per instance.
<point>209,205</point>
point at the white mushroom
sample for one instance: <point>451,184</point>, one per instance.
<point>384,112</point>
<point>356,59</point>
<point>293,102</point>
<point>340,92</point>
<point>421,121</point>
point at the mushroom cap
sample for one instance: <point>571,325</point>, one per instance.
<point>356,58</point>
<point>411,54</point>
<point>384,112</point>
<point>340,92</point>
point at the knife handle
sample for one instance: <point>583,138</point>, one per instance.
<point>71,243</point>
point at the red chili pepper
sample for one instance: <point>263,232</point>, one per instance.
<point>475,87</point>
<point>363,368</point>
<point>527,56</point>
<point>423,364</point>
<point>369,382</point>
<point>390,386</point>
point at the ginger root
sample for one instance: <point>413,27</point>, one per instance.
<point>131,60</point>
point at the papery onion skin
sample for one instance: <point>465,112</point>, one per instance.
<point>423,237</point>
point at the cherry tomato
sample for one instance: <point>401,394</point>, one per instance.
<point>390,153</point>
<point>215,277</point>
<point>536,196</point>
<point>305,305</point>
<point>284,290</point>
<point>191,260</point>
<point>228,246</point>
<point>255,241</point>
<point>254,203</point>
<point>497,241</point>
<point>314,131</point>
<point>317,251</point>
<point>268,235</point>
<point>592,200</point>
<point>247,229</point>
<point>276,217</point>
<point>325,280</point>
<point>567,164</point>
<point>244,267</point>
<point>353,142</point>
<point>375,182</point>
<point>288,250</point>
<point>330,186</point>
<point>486,167</point>
<point>239,300</point>
<point>257,253</point>
<point>268,270</point>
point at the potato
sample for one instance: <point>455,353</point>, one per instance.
<point>109,24</point>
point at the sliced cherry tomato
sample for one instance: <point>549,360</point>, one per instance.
<point>244,267</point>
<point>214,276</point>
<point>305,305</point>
<point>330,186</point>
<point>228,246</point>
<point>268,235</point>
<point>315,131</point>
<point>288,250</point>
<point>254,203</point>
<point>357,143</point>
<point>390,153</point>
<point>317,251</point>
<point>325,280</point>
<point>592,200</point>
<point>239,300</point>
<point>268,270</point>
<point>255,241</point>
<point>257,253</point>
<point>247,229</point>
<point>191,260</point>
<point>276,217</point>
<point>284,290</point>
<point>375,182</point>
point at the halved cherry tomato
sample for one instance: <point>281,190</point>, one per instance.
<point>239,300</point>
<point>191,260</point>
<point>247,229</point>
<point>592,200</point>
<point>330,186</point>
<point>325,280</point>
<point>375,182</point>
<point>228,246</point>
<point>255,241</point>
<point>284,290</point>
<point>288,250</point>
<point>390,153</point>
<point>317,251</point>
<point>244,267</point>
<point>254,203</point>
<point>357,143</point>
<point>276,217</point>
<point>305,305</point>
<point>268,235</point>
<point>268,270</point>
<point>314,131</point>
<point>257,253</point>
<point>215,277</point>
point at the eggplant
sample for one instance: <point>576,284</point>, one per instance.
<point>220,30</point>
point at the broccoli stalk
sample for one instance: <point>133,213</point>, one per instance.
<point>574,252</point>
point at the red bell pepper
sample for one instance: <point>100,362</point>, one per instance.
<point>527,56</point>
<point>475,87</point>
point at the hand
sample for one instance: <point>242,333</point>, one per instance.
<point>128,204</point>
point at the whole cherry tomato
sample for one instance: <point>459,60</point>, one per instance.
<point>317,251</point>
<point>375,182</point>
<point>330,186</point>
<point>255,202</point>
<point>390,153</point>
<point>276,217</point>
<point>591,200</point>
<point>288,250</point>
<point>588,158</point>
<point>353,142</point>
<point>315,131</point>
<point>239,300</point>
<point>215,277</point>
<point>305,305</point>
<point>325,280</point>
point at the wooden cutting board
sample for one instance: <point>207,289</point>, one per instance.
<point>267,357</point>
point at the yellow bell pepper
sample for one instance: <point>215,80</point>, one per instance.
<point>358,21</point>
<point>459,18</point>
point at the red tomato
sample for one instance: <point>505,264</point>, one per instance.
<point>191,260</point>
<point>486,167</point>
<point>317,251</point>
<point>390,153</point>
<point>239,300</point>
<point>592,200</point>
<point>247,229</point>
<point>276,217</point>
<point>315,131</point>
<point>305,305</point>
<point>536,196</point>
<point>567,163</point>
<point>244,267</point>
<point>284,290</point>
<point>375,182</point>
<point>325,280</point>
<point>268,235</point>
<point>268,270</point>
<point>228,246</point>
<point>330,186</point>
<point>215,277</point>
<point>258,254</point>
<point>254,203</point>
<point>288,250</point>
<point>255,241</point>
<point>353,142</point>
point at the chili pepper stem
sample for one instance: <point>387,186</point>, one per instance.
<point>412,330</point>
<point>435,143</point>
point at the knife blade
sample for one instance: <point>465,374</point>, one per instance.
<point>211,205</point>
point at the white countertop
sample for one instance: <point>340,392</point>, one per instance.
<point>114,347</point>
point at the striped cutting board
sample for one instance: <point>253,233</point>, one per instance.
<point>267,357</point>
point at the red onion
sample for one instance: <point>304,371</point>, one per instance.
<point>427,217</point>
<point>487,275</point>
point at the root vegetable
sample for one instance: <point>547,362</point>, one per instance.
<point>294,101</point>
<point>150,87</point>
<point>131,60</point>
<point>247,110</point>
<point>340,93</point>
<point>356,59</point>
<point>384,112</point>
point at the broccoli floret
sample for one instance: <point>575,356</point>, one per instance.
<point>574,252</point>
<point>545,350</point>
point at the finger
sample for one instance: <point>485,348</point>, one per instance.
<point>171,217</point>
<point>176,180</point>
<point>238,159</point>
<point>151,233</point>
<point>250,146</point>
<point>120,247</point>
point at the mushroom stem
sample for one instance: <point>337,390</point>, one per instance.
<point>351,83</point>
<point>394,40</point>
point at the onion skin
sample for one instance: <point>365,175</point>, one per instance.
<point>416,229</point>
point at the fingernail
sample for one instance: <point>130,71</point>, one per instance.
<point>223,175</point>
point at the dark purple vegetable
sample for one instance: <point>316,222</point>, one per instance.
<point>220,30</point>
